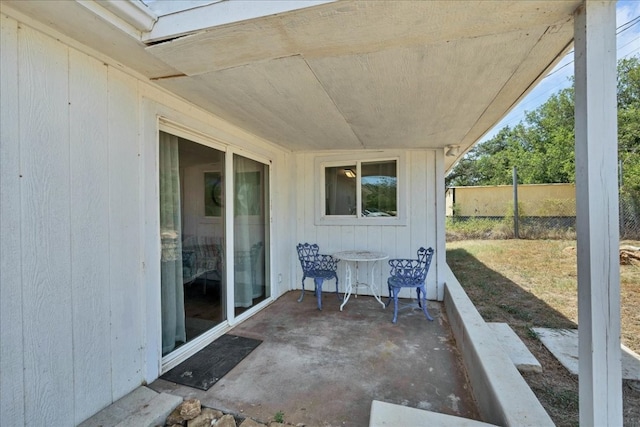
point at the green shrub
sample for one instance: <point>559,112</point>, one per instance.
<point>472,228</point>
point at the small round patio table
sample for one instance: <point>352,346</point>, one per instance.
<point>355,258</point>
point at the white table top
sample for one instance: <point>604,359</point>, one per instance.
<point>360,255</point>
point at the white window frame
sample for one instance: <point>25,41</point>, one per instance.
<point>350,159</point>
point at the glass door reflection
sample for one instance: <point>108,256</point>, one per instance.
<point>251,284</point>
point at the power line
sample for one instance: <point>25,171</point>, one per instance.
<point>627,44</point>
<point>521,115</point>
<point>634,50</point>
<point>558,69</point>
<point>630,24</point>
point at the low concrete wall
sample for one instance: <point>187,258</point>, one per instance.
<point>503,396</point>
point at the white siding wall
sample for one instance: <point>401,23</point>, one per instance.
<point>400,241</point>
<point>45,226</point>
<point>79,247</point>
<point>72,253</point>
<point>12,389</point>
<point>90,279</point>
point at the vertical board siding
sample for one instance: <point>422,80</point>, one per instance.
<point>284,234</point>
<point>346,238</point>
<point>89,233</point>
<point>389,244</point>
<point>11,350</point>
<point>45,205</point>
<point>414,235</point>
<point>151,244</point>
<point>372,238</point>
<point>307,195</point>
<point>417,203</point>
<point>80,318</point>
<point>296,174</point>
<point>305,228</point>
<point>124,235</point>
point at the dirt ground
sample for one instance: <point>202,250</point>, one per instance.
<point>530,284</point>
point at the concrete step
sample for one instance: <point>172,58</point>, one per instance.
<point>387,414</point>
<point>515,348</point>
<point>563,343</point>
<point>141,408</point>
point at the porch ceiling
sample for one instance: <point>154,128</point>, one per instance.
<point>364,74</point>
<point>372,75</point>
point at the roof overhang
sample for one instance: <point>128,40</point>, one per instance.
<point>345,75</point>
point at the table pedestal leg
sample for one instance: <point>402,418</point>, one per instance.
<point>347,291</point>
<point>373,285</point>
<point>349,284</point>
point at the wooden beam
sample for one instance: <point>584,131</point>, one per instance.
<point>600,378</point>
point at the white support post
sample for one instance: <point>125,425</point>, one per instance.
<point>441,235</point>
<point>600,377</point>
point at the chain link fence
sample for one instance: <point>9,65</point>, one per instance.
<point>629,217</point>
<point>548,219</point>
<point>550,227</point>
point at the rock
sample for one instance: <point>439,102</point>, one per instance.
<point>248,422</point>
<point>629,255</point>
<point>630,248</point>
<point>175,419</point>
<point>205,418</point>
<point>189,409</point>
<point>226,421</point>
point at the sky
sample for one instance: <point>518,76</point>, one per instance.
<point>628,45</point>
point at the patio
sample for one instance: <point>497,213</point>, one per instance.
<point>324,368</point>
<point>298,90</point>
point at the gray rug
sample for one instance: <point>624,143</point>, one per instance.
<point>206,367</point>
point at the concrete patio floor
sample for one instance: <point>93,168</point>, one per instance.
<point>324,368</point>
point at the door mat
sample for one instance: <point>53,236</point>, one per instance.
<point>206,367</point>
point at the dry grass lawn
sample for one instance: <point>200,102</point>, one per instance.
<point>533,283</point>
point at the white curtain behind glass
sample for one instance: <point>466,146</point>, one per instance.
<point>249,230</point>
<point>172,292</point>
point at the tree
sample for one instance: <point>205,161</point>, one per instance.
<point>629,125</point>
<point>542,146</point>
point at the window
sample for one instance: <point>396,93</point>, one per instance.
<point>340,194</point>
<point>379,189</point>
<point>366,191</point>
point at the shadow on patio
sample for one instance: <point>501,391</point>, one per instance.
<point>324,368</point>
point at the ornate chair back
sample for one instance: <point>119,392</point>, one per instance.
<point>410,273</point>
<point>316,266</point>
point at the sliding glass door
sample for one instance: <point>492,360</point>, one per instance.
<point>195,290</point>
<point>250,216</point>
